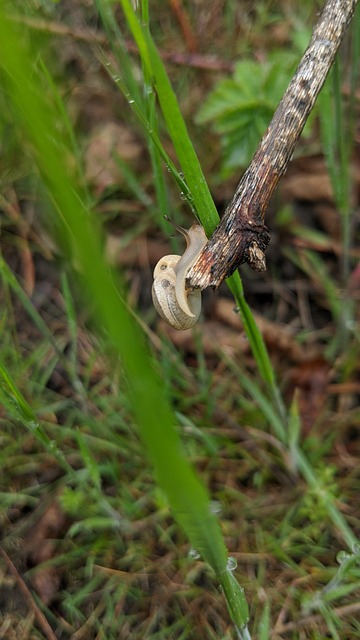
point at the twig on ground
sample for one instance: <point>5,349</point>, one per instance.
<point>242,235</point>
<point>42,621</point>
<point>86,34</point>
<point>185,25</point>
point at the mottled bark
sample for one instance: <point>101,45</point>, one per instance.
<point>242,235</point>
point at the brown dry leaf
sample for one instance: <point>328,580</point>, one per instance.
<point>330,221</point>
<point>276,336</point>
<point>41,546</point>
<point>141,252</point>
<point>214,336</point>
<point>107,142</point>
<point>308,187</point>
<point>225,331</point>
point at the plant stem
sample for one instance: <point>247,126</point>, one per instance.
<point>241,235</point>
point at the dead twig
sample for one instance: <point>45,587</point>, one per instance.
<point>185,24</point>
<point>90,36</point>
<point>42,621</point>
<point>242,235</point>
<point>315,619</point>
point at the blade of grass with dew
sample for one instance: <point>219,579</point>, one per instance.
<point>35,117</point>
<point>151,113</point>
<point>145,103</point>
<point>139,112</point>
<point>234,282</point>
<point>119,49</point>
<point>200,197</point>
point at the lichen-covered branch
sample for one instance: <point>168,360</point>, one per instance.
<point>242,235</point>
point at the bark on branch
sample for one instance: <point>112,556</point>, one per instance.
<point>242,235</point>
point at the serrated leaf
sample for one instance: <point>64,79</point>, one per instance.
<point>241,107</point>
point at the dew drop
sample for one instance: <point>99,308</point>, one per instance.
<point>356,548</point>
<point>182,195</point>
<point>231,564</point>
<point>342,556</point>
<point>181,175</point>
<point>52,445</point>
<point>194,554</point>
<point>215,507</point>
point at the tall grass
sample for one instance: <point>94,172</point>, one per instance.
<point>200,199</point>
<point>36,117</point>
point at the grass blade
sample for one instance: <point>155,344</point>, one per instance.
<point>35,117</point>
<point>200,195</point>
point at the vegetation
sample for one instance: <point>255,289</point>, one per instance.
<point>158,484</point>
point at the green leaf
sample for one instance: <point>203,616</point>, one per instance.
<point>240,108</point>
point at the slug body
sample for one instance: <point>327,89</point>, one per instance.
<point>178,306</point>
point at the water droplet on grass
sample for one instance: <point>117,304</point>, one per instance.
<point>33,425</point>
<point>342,556</point>
<point>356,548</point>
<point>215,507</point>
<point>194,554</point>
<point>231,564</point>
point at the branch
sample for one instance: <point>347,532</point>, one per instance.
<point>242,235</point>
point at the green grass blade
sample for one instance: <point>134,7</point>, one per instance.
<point>10,279</point>
<point>338,520</point>
<point>118,45</point>
<point>201,198</point>
<point>258,347</point>
<point>137,108</point>
<point>36,118</point>
<point>200,195</point>
<point>264,623</point>
<point>151,113</point>
<point>16,405</point>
